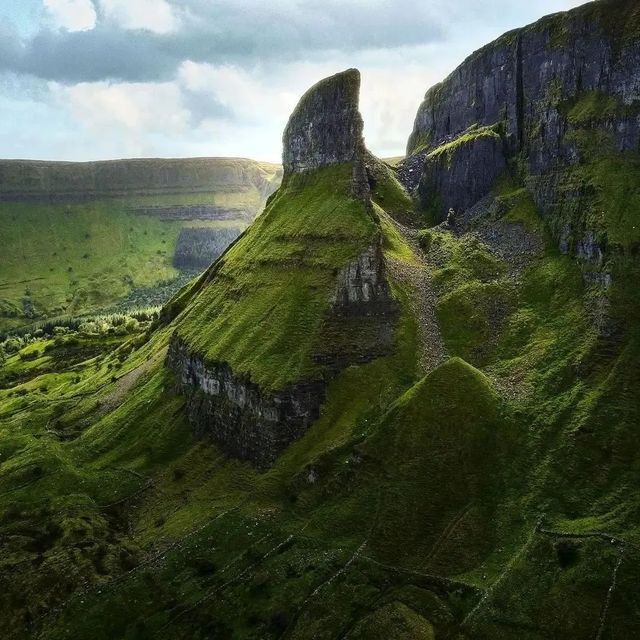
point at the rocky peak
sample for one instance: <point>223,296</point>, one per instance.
<point>326,126</point>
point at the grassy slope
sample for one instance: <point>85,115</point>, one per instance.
<point>68,259</point>
<point>280,275</point>
<point>400,479</point>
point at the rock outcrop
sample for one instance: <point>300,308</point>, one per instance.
<point>74,216</point>
<point>244,421</point>
<point>252,424</point>
<point>361,284</point>
<point>550,90</point>
<point>460,173</point>
<point>358,317</point>
<point>198,247</point>
<point>326,126</point>
<point>523,78</point>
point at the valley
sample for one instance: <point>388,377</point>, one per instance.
<point>402,404</point>
<point>85,238</point>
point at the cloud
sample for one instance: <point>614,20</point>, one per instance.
<point>74,15</point>
<point>157,16</point>
<point>239,32</point>
<point>220,77</point>
<point>129,112</point>
<point>148,40</point>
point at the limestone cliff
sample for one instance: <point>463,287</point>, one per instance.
<point>68,182</point>
<point>245,422</point>
<point>523,78</point>
<point>299,297</point>
<point>547,101</point>
<point>197,248</point>
<point>326,127</point>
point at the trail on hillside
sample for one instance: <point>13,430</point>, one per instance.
<point>125,383</point>
<point>424,300</point>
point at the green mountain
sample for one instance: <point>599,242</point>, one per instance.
<point>402,404</point>
<point>86,237</point>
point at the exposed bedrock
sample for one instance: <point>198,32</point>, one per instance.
<point>522,78</point>
<point>198,247</point>
<point>326,126</point>
<point>549,89</point>
<point>243,420</point>
<point>195,212</point>
<point>256,425</point>
<point>460,176</point>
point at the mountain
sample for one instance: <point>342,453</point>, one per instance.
<point>311,270</point>
<point>561,99</point>
<point>85,237</point>
<point>400,405</point>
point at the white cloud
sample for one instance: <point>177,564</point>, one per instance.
<point>127,115</point>
<point>74,15</point>
<point>228,104</point>
<point>252,97</point>
<point>157,16</point>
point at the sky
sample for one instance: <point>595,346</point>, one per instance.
<point>101,79</point>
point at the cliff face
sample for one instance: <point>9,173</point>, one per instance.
<point>40,181</point>
<point>305,289</point>
<point>522,78</point>
<point>197,248</point>
<point>462,172</point>
<point>557,105</point>
<point>326,127</point>
<point>245,422</point>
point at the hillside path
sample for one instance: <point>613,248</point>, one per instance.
<point>423,300</point>
<point>126,382</point>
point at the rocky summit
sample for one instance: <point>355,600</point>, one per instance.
<point>346,314</point>
<point>326,127</point>
<point>401,404</point>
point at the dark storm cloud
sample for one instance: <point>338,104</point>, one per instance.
<point>243,32</point>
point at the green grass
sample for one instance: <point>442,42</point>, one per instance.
<point>450,419</point>
<point>280,275</point>
<point>83,257</point>
<point>473,133</point>
<point>615,180</point>
<point>592,106</point>
<point>394,620</point>
<point>474,293</point>
<point>388,193</point>
<point>113,508</point>
<point>72,259</point>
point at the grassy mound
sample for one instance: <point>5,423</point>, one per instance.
<point>394,620</point>
<point>447,425</point>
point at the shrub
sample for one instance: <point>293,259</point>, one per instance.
<point>31,355</point>
<point>12,345</point>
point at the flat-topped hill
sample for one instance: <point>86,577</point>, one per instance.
<point>44,181</point>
